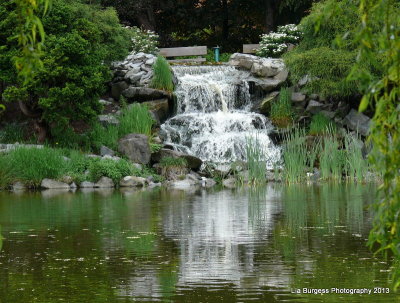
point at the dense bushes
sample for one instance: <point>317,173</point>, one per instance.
<point>144,40</point>
<point>327,51</point>
<point>80,40</point>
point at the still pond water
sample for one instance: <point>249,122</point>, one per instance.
<point>204,246</point>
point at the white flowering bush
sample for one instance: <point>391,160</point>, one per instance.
<point>144,41</point>
<point>276,43</point>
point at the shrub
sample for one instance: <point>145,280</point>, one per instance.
<point>326,68</point>
<point>162,78</point>
<point>80,40</point>
<point>112,169</point>
<point>281,110</point>
<point>276,43</point>
<point>320,124</point>
<point>145,41</point>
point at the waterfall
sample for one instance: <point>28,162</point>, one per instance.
<point>213,118</point>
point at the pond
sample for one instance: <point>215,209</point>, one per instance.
<point>259,245</point>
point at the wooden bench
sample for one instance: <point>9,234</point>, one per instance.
<point>250,48</point>
<point>184,51</point>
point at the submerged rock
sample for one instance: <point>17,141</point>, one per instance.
<point>18,186</point>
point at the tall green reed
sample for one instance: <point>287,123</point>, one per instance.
<point>295,156</point>
<point>356,165</point>
<point>255,160</point>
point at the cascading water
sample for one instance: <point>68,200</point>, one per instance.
<point>213,118</point>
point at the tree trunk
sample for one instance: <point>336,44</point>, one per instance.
<point>269,16</point>
<point>225,20</point>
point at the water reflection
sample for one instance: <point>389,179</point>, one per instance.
<point>204,246</point>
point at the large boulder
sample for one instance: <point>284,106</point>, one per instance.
<point>136,147</point>
<point>53,184</point>
<point>104,182</point>
<point>144,93</point>
<point>132,181</point>
<point>117,89</point>
<point>358,122</point>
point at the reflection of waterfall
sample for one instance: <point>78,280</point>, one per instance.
<point>213,115</point>
<point>218,235</point>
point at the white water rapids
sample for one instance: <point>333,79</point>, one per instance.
<point>213,118</point>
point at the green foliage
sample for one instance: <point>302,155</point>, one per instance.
<point>162,78</point>
<point>145,41</point>
<point>80,40</point>
<point>281,112</point>
<point>255,163</point>
<point>173,162</point>
<point>383,95</point>
<point>326,68</point>
<point>327,51</point>
<point>112,169</point>
<point>320,124</point>
<point>274,44</point>
<point>30,36</point>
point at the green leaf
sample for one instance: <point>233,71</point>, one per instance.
<point>364,103</point>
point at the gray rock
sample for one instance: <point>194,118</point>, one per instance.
<point>136,147</point>
<point>53,184</point>
<point>134,76</point>
<point>358,122</point>
<point>150,61</point>
<point>298,97</point>
<point>114,158</point>
<point>328,114</point>
<point>104,150</point>
<point>160,108</point>
<point>18,186</point>
<point>132,181</point>
<point>87,184</point>
<point>104,182</point>
<point>108,120</point>
<point>117,89</point>
<point>266,67</point>
<point>242,60</point>
<point>208,182</point>
<point>73,186</point>
<point>105,102</point>
<point>67,179</point>
<point>314,97</point>
<point>144,93</point>
<point>314,107</point>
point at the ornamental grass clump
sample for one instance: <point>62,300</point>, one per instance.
<point>281,110</point>
<point>320,124</point>
<point>255,160</point>
<point>295,156</point>
<point>356,165</point>
<point>276,43</point>
<point>332,158</point>
<point>162,78</point>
